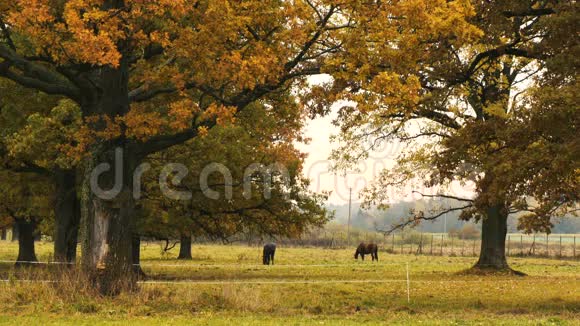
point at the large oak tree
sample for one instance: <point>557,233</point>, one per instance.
<point>494,107</point>
<point>151,74</point>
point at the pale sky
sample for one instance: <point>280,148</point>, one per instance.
<point>317,167</point>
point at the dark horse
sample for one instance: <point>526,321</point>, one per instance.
<point>365,248</point>
<point>269,251</point>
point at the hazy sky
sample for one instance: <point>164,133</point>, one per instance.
<point>317,167</point>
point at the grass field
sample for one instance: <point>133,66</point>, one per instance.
<point>226,285</point>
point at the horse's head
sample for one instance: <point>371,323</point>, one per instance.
<point>356,254</point>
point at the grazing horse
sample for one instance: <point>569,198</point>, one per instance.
<point>269,251</point>
<point>364,249</point>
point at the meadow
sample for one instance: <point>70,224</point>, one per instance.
<point>227,285</point>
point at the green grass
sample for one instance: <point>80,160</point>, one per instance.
<point>204,292</point>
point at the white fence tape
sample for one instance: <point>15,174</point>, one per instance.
<point>424,263</point>
<point>242,282</point>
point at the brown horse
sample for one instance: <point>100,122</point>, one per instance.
<point>268,253</point>
<point>365,248</point>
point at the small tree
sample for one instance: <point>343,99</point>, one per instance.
<point>25,202</point>
<point>233,198</point>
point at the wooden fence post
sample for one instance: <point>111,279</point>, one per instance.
<point>534,245</point>
<point>402,244</point>
<point>451,246</point>
<point>547,245</point>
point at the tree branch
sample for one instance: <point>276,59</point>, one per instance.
<point>529,12</point>
<point>6,34</point>
<point>35,75</point>
<point>141,94</point>
<point>414,220</point>
<point>438,117</point>
<point>443,196</point>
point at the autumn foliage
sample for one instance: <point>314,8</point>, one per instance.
<point>164,79</point>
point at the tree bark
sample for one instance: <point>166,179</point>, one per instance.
<point>67,215</point>
<point>493,236</point>
<point>26,233</point>
<point>185,248</point>
<point>108,234</point>
<point>107,201</point>
<point>15,232</point>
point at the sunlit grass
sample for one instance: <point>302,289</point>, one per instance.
<point>318,290</point>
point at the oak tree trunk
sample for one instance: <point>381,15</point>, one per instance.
<point>26,233</point>
<point>185,248</point>
<point>67,215</point>
<point>108,234</point>
<point>15,232</point>
<point>107,201</point>
<point>493,236</point>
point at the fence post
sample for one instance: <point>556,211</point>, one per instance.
<point>421,244</point>
<point>534,245</point>
<point>408,285</point>
<point>560,246</point>
<point>574,250</point>
<point>402,245</point>
<point>442,245</point>
<point>547,245</point>
<point>509,241</point>
<point>432,244</point>
<point>451,245</point>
